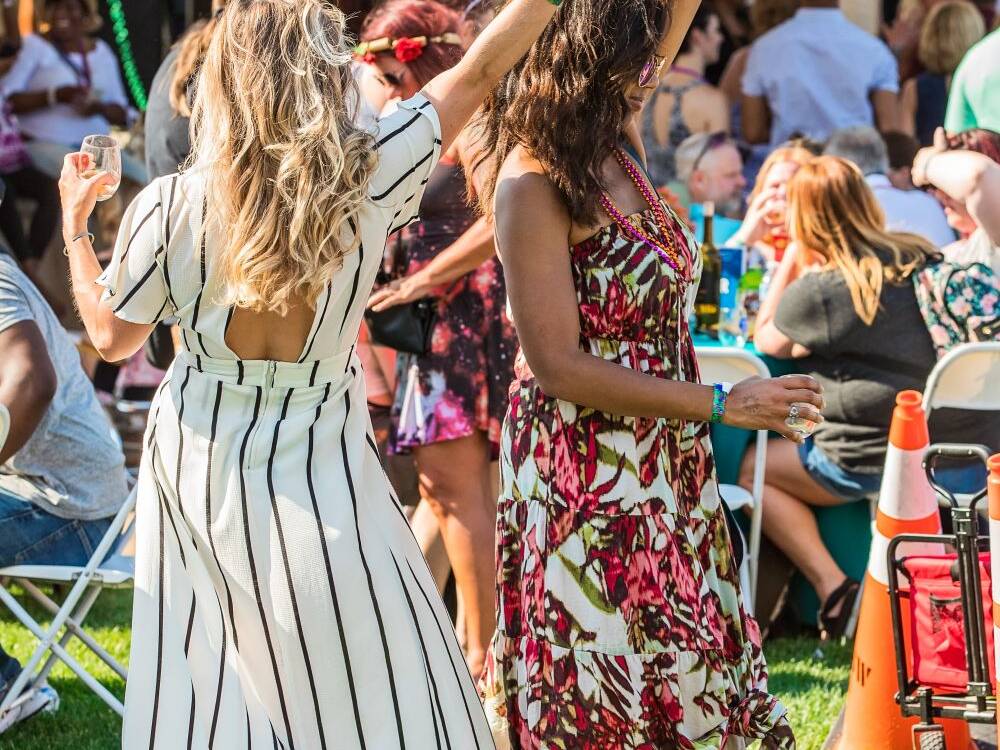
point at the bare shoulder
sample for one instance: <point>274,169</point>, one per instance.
<point>523,180</point>
<point>521,162</point>
<point>529,208</point>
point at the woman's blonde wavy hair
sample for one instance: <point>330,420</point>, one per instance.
<point>835,214</point>
<point>285,166</point>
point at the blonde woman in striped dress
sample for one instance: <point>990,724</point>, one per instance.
<point>281,601</point>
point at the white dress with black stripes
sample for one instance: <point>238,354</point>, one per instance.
<point>281,600</point>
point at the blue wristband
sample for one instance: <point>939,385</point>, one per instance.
<point>719,396</point>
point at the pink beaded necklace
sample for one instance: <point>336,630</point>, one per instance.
<point>667,250</point>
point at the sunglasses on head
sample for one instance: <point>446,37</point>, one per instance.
<point>712,142</point>
<point>649,76</point>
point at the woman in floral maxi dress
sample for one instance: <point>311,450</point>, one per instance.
<point>621,623</point>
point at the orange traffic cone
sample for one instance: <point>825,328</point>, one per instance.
<point>907,505</point>
<point>994,489</point>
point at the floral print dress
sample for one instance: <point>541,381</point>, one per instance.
<point>621,624</point>
<point>460,386</point>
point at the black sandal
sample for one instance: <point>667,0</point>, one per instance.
<point>845,595</point>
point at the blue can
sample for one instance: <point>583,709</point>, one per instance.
<point>733,262</point>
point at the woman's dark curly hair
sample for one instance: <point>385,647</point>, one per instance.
<point>565,101</point>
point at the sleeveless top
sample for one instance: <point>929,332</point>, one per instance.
<point>932,102</point>
<point>660,156</point>
<point>445,215</point>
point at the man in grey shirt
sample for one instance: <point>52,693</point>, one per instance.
<point>62,472</point>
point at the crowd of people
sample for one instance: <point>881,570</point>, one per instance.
<point>482,220</point>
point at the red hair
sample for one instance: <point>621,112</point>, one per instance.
<point>402,19</point>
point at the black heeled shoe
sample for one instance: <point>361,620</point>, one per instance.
<point>845,595</point>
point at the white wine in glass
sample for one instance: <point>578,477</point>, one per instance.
<point>104,155</point>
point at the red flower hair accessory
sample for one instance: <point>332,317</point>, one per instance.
<point>407,50</point>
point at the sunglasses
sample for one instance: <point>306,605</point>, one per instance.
<point>714,141</point>
<point>391,79</point>
<point>649,76</point>
<point>386,78</point>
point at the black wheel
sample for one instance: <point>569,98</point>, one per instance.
<point>933,740</point>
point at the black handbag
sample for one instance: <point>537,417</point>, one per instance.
<point>405,328</point>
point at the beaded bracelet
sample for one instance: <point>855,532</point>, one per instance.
<point>719,396</point>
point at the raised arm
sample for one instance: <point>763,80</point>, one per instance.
<point>965,176</point>
<point>534,248</point>
<point>680,21</point>
<point>114,338</point>
<point>458,92</point>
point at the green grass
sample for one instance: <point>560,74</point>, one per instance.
<point>810,684</point>
<point>83,721</point>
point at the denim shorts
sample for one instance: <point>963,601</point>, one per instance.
<point>853,485</point>
<point>31,536</point>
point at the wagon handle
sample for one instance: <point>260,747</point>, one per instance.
<point>953,451</point>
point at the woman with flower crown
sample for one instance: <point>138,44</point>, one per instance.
<point>621,622</point>
<point>450,401</point>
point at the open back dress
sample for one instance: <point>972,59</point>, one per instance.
<point>281,600</point>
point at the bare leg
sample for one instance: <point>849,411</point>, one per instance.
<point>427,530</point>
<point>451,481</point>
<point>789,492</point>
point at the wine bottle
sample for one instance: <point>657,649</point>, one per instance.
<point>706,304</point>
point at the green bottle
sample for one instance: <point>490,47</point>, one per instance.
<point>706,302</point>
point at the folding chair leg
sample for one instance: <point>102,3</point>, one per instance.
<point>48,637</point>
<point>756,520</point>
<point>81,612</point>
<point>47,643</point>
<point>73,623</point>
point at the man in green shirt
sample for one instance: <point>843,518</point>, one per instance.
<point>974,101</point>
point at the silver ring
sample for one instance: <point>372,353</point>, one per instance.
<point>793,412</point>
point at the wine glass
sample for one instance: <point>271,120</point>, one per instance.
<point>104,155</point>
<point>801,425</point>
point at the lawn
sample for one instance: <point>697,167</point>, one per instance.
<point>810,682</point>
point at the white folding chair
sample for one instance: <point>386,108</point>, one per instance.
<point>968,377</point>
<point>107,568</point>
<point>731,365</point>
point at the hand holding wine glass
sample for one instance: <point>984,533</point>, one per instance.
<point>104,156</point>
<point>82,183</point>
